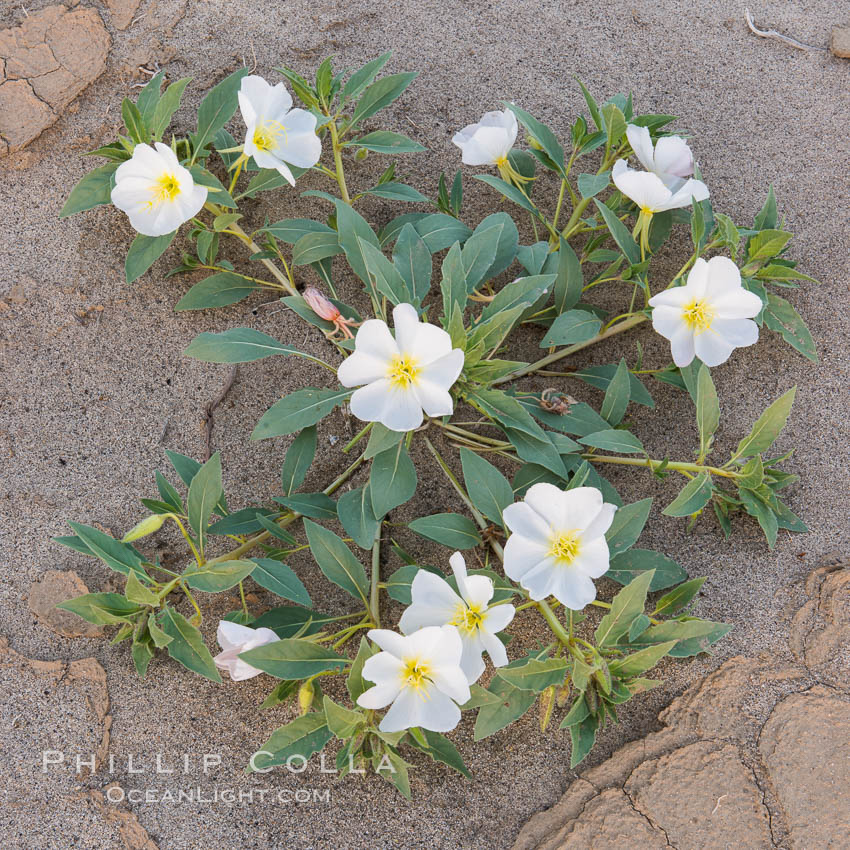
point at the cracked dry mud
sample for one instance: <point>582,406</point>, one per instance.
<point>44,64</point>
<point>755,755</point>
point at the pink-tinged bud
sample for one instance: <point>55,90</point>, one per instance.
<point>320,305</point>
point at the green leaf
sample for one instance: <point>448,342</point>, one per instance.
<point>697,225</point>
<point>625,606</point>
<point>136,592</point>
<point>767,427</point>
<point>303,737</point>
<point>617,395</point>
<point>693,497</point>
<point>363,76</point>
<point>767,215</point>
<point>102,609</point>
<point>767,244</point>
<point>452,530</point>
<point>392,480</point>
<point>298,410</point>
<point>218,290</point>
<point>149,96</point>
<point>572,327</point>
<point>187,646</point>
<point>532,257</point>
<point>678,598</point>
<point>628,565</point>
<point>640,661</point>
<point>132,119</point>
<point>615,124</point>
<point>204,494</point>
<point>167,106</point>
<point>288,620</point>
<point>381,438</point>
<point>119,556</point>
<point>379,95</point>
<point>441,749</point>
<point>620,233</point>
<point>601,377</point>
<point>627,525</point>
<point>343,722</point>
<point>299,458</point>
<point>543,135</point>
<point>337,562</point>
<point>708,410</point>
<point>315,505</point>
<point>440,231</point>
<point>522,292</point>
<point>399,583</point>
<point>144,252</point>
<point>355,683</point>
<point>453,284</point>
<point>583,737</point>
<point>354,231</point>
<point>275,530</point>
<point>692,636</point>
<point>158,636</point>
<point>383,141</point>
<point>536,675</point>
<point>765,515</point>
<point>217,109</point>
<point>614,441</point>
<point>93,190</point>
<point>490,250</point>
<point>412,260</point>
<point>280,579</point>
<point>219,576</point>
<point>488,489</point>
<point>782,318</point>
<point>237,345</point>
<point>509,191</point>
<point>395,191</point>
<point>383,275</point>
<point>590,185</point>
<point>290,658</point>
<point>313,247</point>
<point>267,179</point>
<point>244,521</point>
<point>512,704</point>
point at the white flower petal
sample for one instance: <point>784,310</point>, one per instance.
<point>231,635</point>
<point>549,502</point>
<point>300,145</point>
<point>593,558</point>
<point>402,412</point>
<point>737,332</point>
<point>523,554</point>
<point>738,304</point>
<point>521,519</point>
<point>641,144</point>
<point>643,187</point>
<point>451,679</point>
<point>471,663</point>
<point>676,297</point>
<point>498,617</point>
<point>479,591</point>
<point>428,708</point>
<point>581,507</point>
<point>601,522</point>
<point>389,641</point>
<point>379,696</point>
<point>672,157</point>
<point>682,346</point>
<point>574,589</point>
<point>541,581</point>
<point>374,337</point>
<point>265,159</point>
<point>696,284</point>
<point>712,348</point>
<point>458,565</point>
<point>495,648</point>
<point>434,400</point>
<point>667,321</point>
<point>361,367</point>
<point>425,342</point>
<point>722,277</point>
<point>383,667</point>
<point>406,325</point>
<point>369,403</point>
<point>445,370</point>
<point>690,191</point>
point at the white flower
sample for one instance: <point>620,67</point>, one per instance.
<point>235,639</point>
<point>276,134</point>
<point>404,375</point>
<point>558,542</point>
<point>157,193</point>
<point>648,191</point>
<point>420,675</point>
<point>710,316</point>
<point>671,159</point>
<point>436,604</point>
<point>489,141</point>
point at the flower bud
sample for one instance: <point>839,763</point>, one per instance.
<point>320,305</point>
<point>305,696</point>
<point>147,526</point>
<point>361,154</point>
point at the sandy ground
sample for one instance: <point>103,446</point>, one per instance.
<point>84,404</point>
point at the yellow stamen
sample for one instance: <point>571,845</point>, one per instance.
<point>404,371</point>
<point>698,315</point>
<point>166,188</point>
<point>565,547</point>
<point>501,162</point>
<point>467,618</point>
<point>416,673</point>
<point>267,136</point>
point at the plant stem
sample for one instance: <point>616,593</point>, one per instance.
<point>571,349</point>
<point>374,590</point>
<point>482,523</point>
<point>649,463</point>
<point>288,283</point>
<point>340,174</point>
<point>357,438</point>
<point>553,622</point>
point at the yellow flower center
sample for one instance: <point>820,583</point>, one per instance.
<point>267,136</point>
<point>467,618</point>
<point>565,547</point>
<point>501,162</point>
<point>416,673</point>
<point>698,315</point>
<point>647,212</point>
<point>166,188</point>
<point>404,371</point>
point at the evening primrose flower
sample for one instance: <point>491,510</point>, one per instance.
<point>489,142</point>
<point>235,639</point>
<point>327,310</point>
<point>708,317</point>
<point>420,675</point>
<point>157,193</point>
<point>436,604</point>
<point>402,376</point>
<point>558,545</point>
<point>652,196</point>
<point>277,134</point>
<point>670,160</point>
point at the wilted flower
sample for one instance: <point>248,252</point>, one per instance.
<point>708,317</point>
<point>434,603</point>
<point>276,134</point>
<point>157,193</point>
<point>235,639</point>
<point>404,375</point>
<point>328,311</point>
<point>558,545</point>
<point>420,675</point>
<point>648,191</point>
<point>671,158</point>
<point>489,142</point>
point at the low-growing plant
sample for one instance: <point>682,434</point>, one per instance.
<point>539,539</point>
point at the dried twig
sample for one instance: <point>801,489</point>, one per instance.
<point>777,36</point>
<point>209,410</point>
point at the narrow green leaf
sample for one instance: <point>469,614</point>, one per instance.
<point>298,410</point>
<point>167,106</point>
<point>301,738</point>
<point>693,497</point>
<point>488,489</point>
<point>620,233</point>
<point>452,530</point>
<point>768,426</point>
<point>627,526</point>
<point>614,441</point>
<point>93,189</point>
<point>237,345</point>
<point>280,579</point>
<point>626,566</point>
<point>291,658</point>
<point>617,395</point>
<point>313,247</point>
<point>640,661</point>
<point>625,606</point>
<point>218,290</point>
<point>782,318</point>
<point>144,252</point>
<point>219,576</point>
<point>204,494</point>
<point>572,327</point>
<point>379,95</point>
<point>336,561</point>
<point>392,480</point>
<point>678,598</point>
<point>299,458</point>
<point>102,609</point>
<point>217,109</point>
<point>708,410</point>
<point>187,646</point>
<point>119,556</point>
<point>383,141</point>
